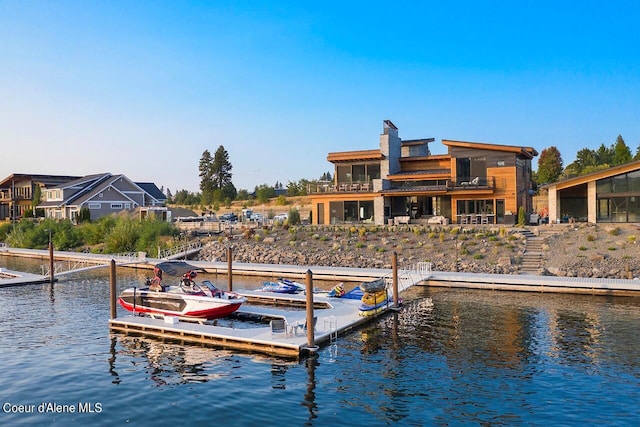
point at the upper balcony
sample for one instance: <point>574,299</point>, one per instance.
<point>448,185</point>
<point>8,195</point>
<point>472,183</point>
<point>341,187</point>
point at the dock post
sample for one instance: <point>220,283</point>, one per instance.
<point>112,288</point>
<point>311,339</point>
<point>51,266</point>
<point>229,269</point>
<point>394,267</point>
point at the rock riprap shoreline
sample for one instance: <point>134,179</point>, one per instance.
<point>582,250</point>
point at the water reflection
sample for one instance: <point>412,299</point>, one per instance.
<point>484,345</point>
<point>167,363</point>
<point>310,395</point>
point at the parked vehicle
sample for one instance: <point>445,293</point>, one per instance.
<point>281,217</point>
<point>256,217</point>
<point>228,217</point>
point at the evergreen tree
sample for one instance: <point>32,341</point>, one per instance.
<point>549,165</point>
<point>221,170</point>
<point>207,184</point>
<point>637,156</point>
<point>585,158</point>
<point>621,152</point>
<point>604,155</point>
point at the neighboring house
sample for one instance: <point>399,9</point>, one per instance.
<point>607,196</point>
<point>103,194</point>
<point>17,192</point>
<point>402,181</point>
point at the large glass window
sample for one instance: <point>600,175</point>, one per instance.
<point>634,181</point>
<point>373,171</point>
<point>359,173</point>
<point>619,184</point>
<point>351,211</point>
<point>475,206</point>
<point>634,209</point>
<point>603,186</point>
<point>469,168</point>
<point>344,173</point>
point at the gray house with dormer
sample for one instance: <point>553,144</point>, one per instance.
<point>102,194</point>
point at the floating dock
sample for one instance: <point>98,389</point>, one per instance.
<point>334,317</point>
<point>18,278</point>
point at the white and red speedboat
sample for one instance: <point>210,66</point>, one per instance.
<point>188,299</point>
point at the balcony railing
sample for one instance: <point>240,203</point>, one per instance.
<point>462,183</point>
<point>351,187</point>
<point>470,183</point>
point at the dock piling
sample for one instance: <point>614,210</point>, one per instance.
<point>394,268</point>
<point>311,339</point>
<point>51,266</point>
<point>112,288</point>
<point>229,269</point>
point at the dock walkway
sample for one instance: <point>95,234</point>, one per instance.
<point>339,317</point>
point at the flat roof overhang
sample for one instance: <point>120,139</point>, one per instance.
<point>354,156</point>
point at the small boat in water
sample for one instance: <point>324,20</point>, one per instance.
<point>187,299</point>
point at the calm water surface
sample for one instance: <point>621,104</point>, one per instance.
<point>474,358</point>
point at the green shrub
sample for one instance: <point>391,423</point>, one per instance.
<point>294,217</point>
<point>123,237</point>
<point>521,217</point>
<point>590,238</point>
<point>582,248</point>
<point>478,256</point>
<point>615,231</point>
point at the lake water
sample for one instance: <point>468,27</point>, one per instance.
<point>474,358</point>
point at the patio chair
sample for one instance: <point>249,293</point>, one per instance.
<point>278,326</point>
<point>303,325</point>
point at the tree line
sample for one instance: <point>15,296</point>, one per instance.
<point>550,163</point>
<point>217,189</point>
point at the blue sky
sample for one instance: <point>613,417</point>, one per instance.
<point>143,88</point>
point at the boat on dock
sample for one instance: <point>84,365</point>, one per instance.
<point>187,299</point>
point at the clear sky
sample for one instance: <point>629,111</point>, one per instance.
<point>143,88</point>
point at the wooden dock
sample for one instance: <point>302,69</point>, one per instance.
<point>338,317</point>
<point>10,278</point>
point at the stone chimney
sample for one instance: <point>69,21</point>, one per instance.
<point>391,148</point>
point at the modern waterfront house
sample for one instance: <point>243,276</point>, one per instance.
<point>403,182</point>
<point>607,196</point>
<point>17,192</point>
<point>102,194</point>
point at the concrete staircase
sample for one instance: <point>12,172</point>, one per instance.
<point>532,257</point>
